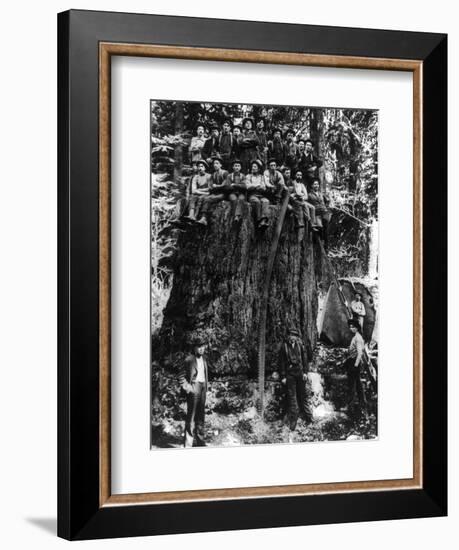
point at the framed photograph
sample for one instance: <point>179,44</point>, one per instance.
<point>252,274</point>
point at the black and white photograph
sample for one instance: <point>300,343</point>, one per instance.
<point>264,274</point>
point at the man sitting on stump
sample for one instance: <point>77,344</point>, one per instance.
<point>199,191</point>
<point>293,369</point>
<point>256,189</point>
<point>323,215</point>
<point>302,209</point>
<point>275,184</point>
<point>217,188</point>
<point>236,187</point>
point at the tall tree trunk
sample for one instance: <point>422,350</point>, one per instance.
<point>178,153</point>
<point>218,280</point>
<point>316,133</point>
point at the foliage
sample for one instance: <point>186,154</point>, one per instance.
<point>163,196</point>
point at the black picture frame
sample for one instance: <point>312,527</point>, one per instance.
<point>80,515</point>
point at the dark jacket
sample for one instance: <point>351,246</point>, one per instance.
<point>211,147</point>
<point>277,181</point>
<point>189,372</point>
<point>249,149</point>
<point>294,359</point>
<point>236,149</point>
<point>276,150</point>
<point>262,145</point>
<point>236,182</point>
<point>319,200</point>
<point>217,181</point>
<point>309,165</point>
<point>225,147</point>
<point>291,155</point>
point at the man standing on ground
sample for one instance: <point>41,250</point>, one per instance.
<point>293,362</point>
<point>353,365</point>
<point>194,381</point>
<point>358,309</point>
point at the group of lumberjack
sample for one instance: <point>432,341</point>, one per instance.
<point>245,163</point>
<point>293,367</point>
<point>238,164</point>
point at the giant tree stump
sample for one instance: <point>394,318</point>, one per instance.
<point>219,273</point>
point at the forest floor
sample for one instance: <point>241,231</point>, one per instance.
<point>232,418</point>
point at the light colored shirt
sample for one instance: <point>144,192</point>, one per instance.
<point>255,182</point>
<point>356,347</point>
<point>275,178</point>
<point>201,375</point>
<point>358,307</point>
<point>300,190</point>
<point>196,145</point>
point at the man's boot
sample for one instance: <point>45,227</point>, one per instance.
<point>188,442</point>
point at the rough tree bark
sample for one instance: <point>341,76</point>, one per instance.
<point>218,278</point>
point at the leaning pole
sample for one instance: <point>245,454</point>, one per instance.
<point>264,304</point>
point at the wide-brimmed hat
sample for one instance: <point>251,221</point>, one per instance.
<point>237,126</point>
<point>202,161</point>
<point>197,126</point>
<point>353,323</point>
<point>293,331</point>
<point>272,159</point>
<point>236,161</point>
<point>244,120</point>
<point>276,129</point>
<point>214,126</point>
<point>216,157</point>
<point>257,162</point>
<point>198,341</point>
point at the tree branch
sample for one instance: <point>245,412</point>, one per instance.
<point>350,215</point>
